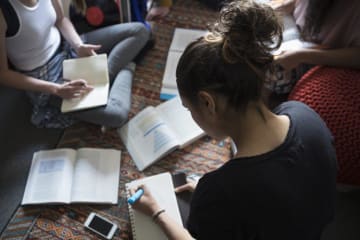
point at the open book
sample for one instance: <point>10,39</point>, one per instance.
<point>182,37</point>
<point>291,37</point>
<point>66,175</point>
<point>291,34</point>
<point>94,70</point>
<point>162,188</point>
<point>156,131</point>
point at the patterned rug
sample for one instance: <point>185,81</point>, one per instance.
<point>66,221</point>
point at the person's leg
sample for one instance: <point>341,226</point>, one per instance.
<point>122,42</point>
<point>116,112</point>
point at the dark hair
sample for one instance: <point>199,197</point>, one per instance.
<point>233,58</point>
<point>316,12</point>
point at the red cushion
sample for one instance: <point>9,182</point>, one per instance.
<point>334,93</point>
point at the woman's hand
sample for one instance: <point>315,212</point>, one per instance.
<point>289,59</point>
<point>146,204</point>
<point>73,89</point>
<point>189,186</point>
<point>85,50</point>
<point>157,12</point>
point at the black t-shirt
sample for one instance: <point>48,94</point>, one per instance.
<point>285,194</point>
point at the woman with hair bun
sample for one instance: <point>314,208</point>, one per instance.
<point>281,181</point>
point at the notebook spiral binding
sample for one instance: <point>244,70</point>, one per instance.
<point>131,215</point>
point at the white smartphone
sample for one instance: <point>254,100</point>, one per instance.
<point>100,225</point>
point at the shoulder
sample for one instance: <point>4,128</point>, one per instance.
<point>305,122</point>
<point>298,112</point>
<point>293,106</point>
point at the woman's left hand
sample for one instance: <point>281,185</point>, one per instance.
<point>146,204</point>
<point>86,50</point>
<point>289,59</point>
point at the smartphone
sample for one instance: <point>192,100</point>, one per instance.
<point>100,225</point>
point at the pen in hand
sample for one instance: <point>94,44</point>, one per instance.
<point>137,195</point>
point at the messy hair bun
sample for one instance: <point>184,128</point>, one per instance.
<point>233,58</point>
<point>249,32</point>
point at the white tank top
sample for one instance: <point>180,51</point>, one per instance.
<point>37,38</point>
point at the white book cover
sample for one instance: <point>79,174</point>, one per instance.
<point>94,70</point>
<point>162,188</point>
<point>181,38</point>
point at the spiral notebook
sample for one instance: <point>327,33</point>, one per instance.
<point>162,188</point>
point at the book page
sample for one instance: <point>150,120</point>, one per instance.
<point>179,119</point>
<point>96,175</point>
<point>147,138</point>
<point>294,45</point>
<point>291,31</point>
<point>50,177</point>
<point>162,189</point>
<point>169,78</point>
<point>182,37</point>
<point>94,70</point>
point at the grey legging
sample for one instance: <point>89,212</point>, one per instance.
<point>122,42</point>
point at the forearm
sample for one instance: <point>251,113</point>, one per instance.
<point>346,57</point>
<point>23,82</point>
<point>69,33</point>
<point>172,229</point>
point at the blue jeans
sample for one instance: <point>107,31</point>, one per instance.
<point>122,42</point>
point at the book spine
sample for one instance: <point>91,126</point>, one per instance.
<point>131,215</point>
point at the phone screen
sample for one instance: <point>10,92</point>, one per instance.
<point>100,225</point>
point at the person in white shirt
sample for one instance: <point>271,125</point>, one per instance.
<point>35,38</point>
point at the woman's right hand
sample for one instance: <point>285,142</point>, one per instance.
<point>147,203</point>
<point>86,50</point>
<point>73,89</point>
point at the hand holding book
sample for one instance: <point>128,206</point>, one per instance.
<point>91,71</point>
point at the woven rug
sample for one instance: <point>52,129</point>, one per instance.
<point>66,221</point>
